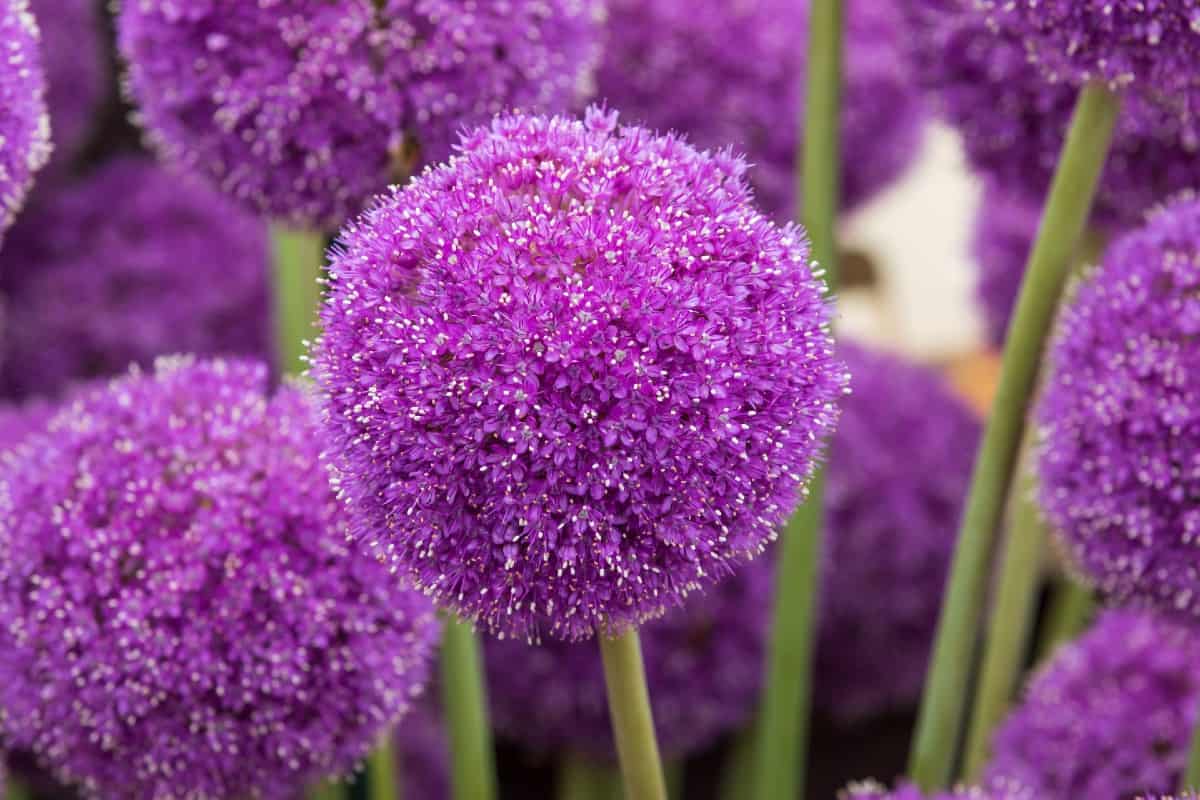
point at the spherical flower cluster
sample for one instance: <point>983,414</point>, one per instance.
<point>899,464</point>
<point>727,73</point>
<point>1005,228</point>
<point>304,108</point>
<point>18,421</point>
<point>24,123</point>
<point>90,284</point>
<point>1110,715</point>
<point>181,609</point>
<point>998,790</point>
<point>76,69</point>
<point>423,752</point>
<point>1013,121</point>
<point>574,374</point>
<point>1119,454</point>
<point>704,669</point>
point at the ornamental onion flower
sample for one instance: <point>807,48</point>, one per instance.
<point>76,69</point>
<point>1119,440</point>
<point>1000,790</point>
<point>19,421</point>
<point>573,374</point>
<point>733,73</point>
<point>1110,715</point>
<point>183,614</point>
<point>305,108</point>
<point>24,123</point>
<point>704,670</point>
<point>125,265</point>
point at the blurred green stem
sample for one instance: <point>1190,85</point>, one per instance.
<point>298,259</point>
<point>581,778</point>
<point>1191,776</point>
<point>632,720</point>
<point>464,706</point>
<point>737,778</point>
<point>1071,606</point>
<point>940,722</point>
<point>381,771</point>
<point>325,790</point>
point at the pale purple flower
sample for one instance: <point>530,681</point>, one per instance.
<point>24,123</point>
<point>1000,790</point>
<point>76,69</point>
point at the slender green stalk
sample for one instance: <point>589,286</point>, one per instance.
<point>676,775</point>
<point>737,779</point>
<point>381,771</point>
<point>632,722</point>
<point>580,778</point>
<point>1071,607</point>
<point>464,706</point>
<point>1012,622</point>
<point>941,718</point>
<point>818,180</point>
<point>1191,775</point>
<point>17,790</point>
<point>326,790</point>
<point>299,257</point>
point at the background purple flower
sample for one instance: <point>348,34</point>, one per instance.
<point>1005,227</point>
<point>574,374</point>
<point>1111,715</point>
<point>20,420</point>
<point>899,465</point>
<point>423,751</point>
<point>76,69</point>
<point>999,790</point>
<point>732,74</point>
<point>181,606</point>
<point>24,124</point>
<point>129,263</point>
<point>704,668</point>
<point>306,108</point>
<point>1119,450</point>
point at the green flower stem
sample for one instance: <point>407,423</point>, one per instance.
<point>327,790</point>
<point>818,181</point>
<point>298,259</point>
<point>1191,776</point>
<point>1013,616</point>
<point>941,717</point>
<point>464,706</point>
<point>1071,607</point>
<point>737,780</point>
<point>675,775</point>
<point>17,790</point>
<point>381,771</point>
<point>581,778</point>
<point>632,722</point>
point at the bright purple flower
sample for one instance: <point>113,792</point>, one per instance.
<point>129,263</point>
<point>24,123</point>
<point>1110,715</point>
<point>1005,227</point>
<point>76,69</point>
<point>182,610</point>
<point>999,790</point>
<point>1119,454</point>
<point>423,752</point>
<point>306,108</point>
<point>574,374</point>
<point>726,73</point>
<point>899,465</point>
<point>704,668</point>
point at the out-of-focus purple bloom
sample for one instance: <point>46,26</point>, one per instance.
<point>423,752</point>
<point>182,610</point>
<point>76,69</point>
<point>130,263</point>
<point>1119,450</point>
<point>997,790</point>
<point>18,421</point>
<point>574,374</point>
<point>306,108</point>
<point>1005,227</point>
<point>899,465</point>
<point>732,73</point>
<point>704,669</point>
<point>1110,715</point>
<point>24,123</point>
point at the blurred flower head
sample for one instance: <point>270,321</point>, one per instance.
<point>24,122</point>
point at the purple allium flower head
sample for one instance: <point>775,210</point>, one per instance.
<point>1110,715</point>
<point>183,611</point>
<point>76,68</point>
<point>733,73</point>
<point>423,752</point>
<point>1005,228</point>
<point>996,790</point>
<point>129,263</point>
<point>21,420</point>
<point>304,108</point>
<point>1119,450</point>
<point>899,464</point>
<point>574,374</point>
<point>704,668</point>
<point>24,122</point>
<point>1013,121</point>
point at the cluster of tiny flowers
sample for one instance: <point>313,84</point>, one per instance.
<point>423,752</point>
<point>1013,121</point>
<point>672,65</point>
<point>24,122</point>
<point>304,108</point>
<point>76,70</point>
<point>704,668</point>
<point>574,374</point>
<point>181,609</point>
<point>21,420</point>
<point>1109,716</point>
<point>995,790</point>
<point>1119,450</point>
<point>90,285</point>
<point>899,464</point>
<point>1005,227</point>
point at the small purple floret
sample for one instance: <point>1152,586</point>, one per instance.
<point>24,122</point>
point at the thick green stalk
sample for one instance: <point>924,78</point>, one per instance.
<point>299,257</point>
<point>632,722</point>
<point>1084,153</point>
<point>676,775</point>
<point>1071,607</point>
<point>581,778</point>
<point>1013,616</point>
<point>1191,776</point>
<point>381,771</point>
<point>464,706</point>
<point>818,181</point>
